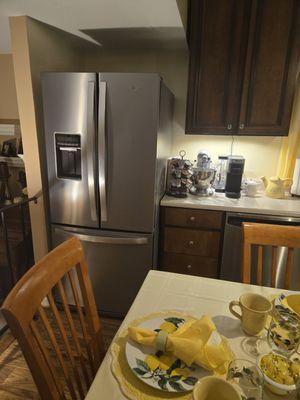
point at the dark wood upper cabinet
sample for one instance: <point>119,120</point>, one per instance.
<point>271,67</point>
<point>243,66</point>
<point>218,39</point>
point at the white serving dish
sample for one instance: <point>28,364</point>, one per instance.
<point>275,387</point>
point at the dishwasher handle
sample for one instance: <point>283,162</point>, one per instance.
<point>236,219</point>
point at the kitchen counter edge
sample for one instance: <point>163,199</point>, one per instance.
<point>289,207</point>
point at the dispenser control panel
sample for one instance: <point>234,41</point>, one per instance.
<point>68,155</point>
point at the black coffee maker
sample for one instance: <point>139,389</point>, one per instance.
<point>235,169</point>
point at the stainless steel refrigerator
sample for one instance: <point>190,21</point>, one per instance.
<point>107,138</point>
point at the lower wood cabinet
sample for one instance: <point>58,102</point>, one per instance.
<point>191,241</point>
<point>190,218</point>
<point>191,265</point>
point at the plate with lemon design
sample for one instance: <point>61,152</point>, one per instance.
<point>289,304</point>
<point>161,370</point>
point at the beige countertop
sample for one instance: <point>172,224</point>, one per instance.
<point>260,204</point>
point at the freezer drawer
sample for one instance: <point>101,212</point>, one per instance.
<point>118,263</point>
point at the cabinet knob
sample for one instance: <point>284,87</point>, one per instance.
<point>189,267</point>
<point>191,243</point>
<point>229,126</point>
<point>242,126</point>
<point>192,219</point>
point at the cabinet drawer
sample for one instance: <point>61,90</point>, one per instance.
<point>190,265</point>
<point>192,241</point>
<point>193,218</point>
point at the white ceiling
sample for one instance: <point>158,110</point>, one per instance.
<point>76,15</point>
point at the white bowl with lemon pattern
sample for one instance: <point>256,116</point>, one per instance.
<point>288,303</point>
<point>158,370</point>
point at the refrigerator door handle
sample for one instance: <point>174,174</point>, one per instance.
<point>69,148</point>
<point>90,149</point>
<point>102,150</point>
<point>106,239</point>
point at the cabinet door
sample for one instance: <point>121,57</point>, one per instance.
<point>271,67</point>
<point>218,42</point>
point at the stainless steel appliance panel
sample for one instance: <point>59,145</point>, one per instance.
<point>232,251</point>
<point>69,101</point>
<point>118,263</point>
<point>127,165</point>
<point>164,142</point>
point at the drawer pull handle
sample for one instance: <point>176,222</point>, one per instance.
<point>192,219</point>
<point>191,243</point>
<point>189,267</point>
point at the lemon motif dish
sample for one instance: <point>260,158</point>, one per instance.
<point>158,370</point>
<point>289,304</point>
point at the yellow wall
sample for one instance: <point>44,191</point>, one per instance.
<point>8,96</point>
<point>290,149</point>
<point>261,153</point>
<point>38,47</point>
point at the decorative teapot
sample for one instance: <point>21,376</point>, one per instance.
<point>275,187</point>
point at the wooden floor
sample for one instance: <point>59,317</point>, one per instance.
<point>15,379</point>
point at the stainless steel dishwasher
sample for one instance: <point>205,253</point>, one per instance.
<point>232,250</point>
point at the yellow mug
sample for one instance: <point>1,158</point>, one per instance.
<point>215,388</point>
<point>255,309</point>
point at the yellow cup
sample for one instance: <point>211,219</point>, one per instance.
<point>254,312</point>
<point>214,388</point>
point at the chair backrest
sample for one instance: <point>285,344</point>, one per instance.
<point>268,235</point>
<point>62,352</point>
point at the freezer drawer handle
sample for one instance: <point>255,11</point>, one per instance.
<point>102,150</point>
<point>106,239</point>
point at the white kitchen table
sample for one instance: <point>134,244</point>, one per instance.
<point>163,291</point>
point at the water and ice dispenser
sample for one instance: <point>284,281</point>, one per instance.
<point>68,155</point>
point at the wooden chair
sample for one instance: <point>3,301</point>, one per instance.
<point>63,353</point>
<point>268,235</point>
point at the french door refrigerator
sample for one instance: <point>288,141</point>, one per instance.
<point>107,138</point>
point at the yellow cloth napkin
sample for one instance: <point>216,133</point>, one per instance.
<point>196,341</point>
